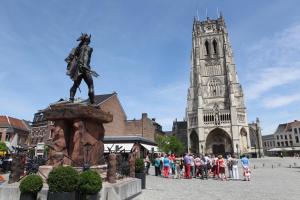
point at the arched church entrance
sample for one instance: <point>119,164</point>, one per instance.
<point>194,139</point>
<point>218,142</point>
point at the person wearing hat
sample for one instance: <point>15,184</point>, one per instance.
<point>79,66</point>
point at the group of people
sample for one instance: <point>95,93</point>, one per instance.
<point>200,166</point>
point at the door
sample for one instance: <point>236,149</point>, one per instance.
<point>219,149</point>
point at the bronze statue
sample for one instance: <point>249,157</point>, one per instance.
<point>79,66</point>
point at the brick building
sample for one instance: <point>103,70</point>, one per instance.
<point>120,126</point>
<point>13,131</point>
<point>41,129</point>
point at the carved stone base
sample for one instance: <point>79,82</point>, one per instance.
<point>77,134</point>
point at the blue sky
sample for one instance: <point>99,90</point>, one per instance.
<point>142,51</point>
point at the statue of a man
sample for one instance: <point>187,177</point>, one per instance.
<point>79,66</point>
<point>217,114</point>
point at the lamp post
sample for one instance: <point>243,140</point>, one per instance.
<point>257,135</point>
<point>202,149</point>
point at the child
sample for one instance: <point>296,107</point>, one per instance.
<point>247,174</point>
<point>177,170</point>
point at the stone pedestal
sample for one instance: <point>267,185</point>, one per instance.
<point>77,134</point>
<point>44,171</point>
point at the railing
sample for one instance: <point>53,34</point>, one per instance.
<point>210,117</point>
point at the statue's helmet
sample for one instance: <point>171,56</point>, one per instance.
<point>84,37</point>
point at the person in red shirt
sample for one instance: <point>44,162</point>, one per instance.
<point>221,167</point>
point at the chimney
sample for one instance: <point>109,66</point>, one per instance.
<point>144,115</point>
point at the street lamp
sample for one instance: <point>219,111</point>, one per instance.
<point>202,148</point>
<point>257,135</point>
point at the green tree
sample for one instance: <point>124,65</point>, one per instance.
<point>169,144</point>
<point>3,146</point>
<point>160,141</point>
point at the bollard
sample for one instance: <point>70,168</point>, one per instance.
<point>112,168</point>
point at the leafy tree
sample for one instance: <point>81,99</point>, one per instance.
<point>160,141</point>
<point>3,146</point>
<point>169,144</point>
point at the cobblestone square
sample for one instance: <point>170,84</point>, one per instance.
<point>278,183</point>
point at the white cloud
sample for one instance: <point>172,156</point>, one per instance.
<point>275,61</point>
<point>269,78</point>
<point>281,100</point>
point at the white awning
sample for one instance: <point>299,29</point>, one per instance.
<point>275,149</point>
<point>285,149</point>
<point>150,148</point>
<point>123,146</point>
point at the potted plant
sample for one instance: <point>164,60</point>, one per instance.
<point>30,186</point>
<point>90,183</point>
<point>63,182</point>
<point>140,171</point>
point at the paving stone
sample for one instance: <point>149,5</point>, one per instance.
<point>267,183</point>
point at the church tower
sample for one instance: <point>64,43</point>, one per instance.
<point>216,113</point>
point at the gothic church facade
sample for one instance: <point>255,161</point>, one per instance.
<point>216,113</point>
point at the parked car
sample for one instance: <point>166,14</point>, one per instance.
<point>6,164</point>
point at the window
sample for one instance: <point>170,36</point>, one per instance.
<point>286,143</point>
<point>214,86</point>
<point>297,139</point>
<point>291,143</point>
<point>278,144</point>
<point>281,137</point>
<point>282,144</point>
<point>295,130</point>
<point>285,137</point>
<point>299,130</point>
<point>290,136</point>
<point>277,137</point>
<point>7,137</point>
<point>0,136</point>
<point>215,45</point>
<point>207,47</point>
<point>273,143</point>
